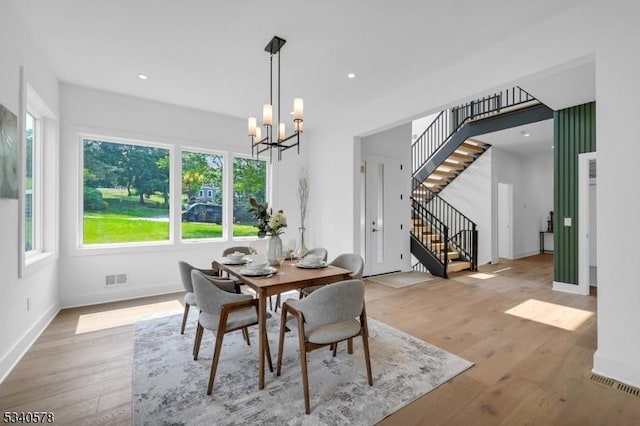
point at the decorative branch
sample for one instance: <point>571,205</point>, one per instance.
<point>303,195</point>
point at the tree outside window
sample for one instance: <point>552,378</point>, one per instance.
<point>125,192</point>
<point>202,195</point>
<point>249,180</point>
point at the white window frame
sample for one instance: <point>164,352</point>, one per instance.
<point>44,181</point>
<point>36,183</point>
<point>229,196</point>
<point>225,183</point>
<point>116,247</point>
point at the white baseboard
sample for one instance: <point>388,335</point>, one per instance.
<point>615,369</point>
<point>569,288</point>
<point>526,254</point>
<point>118,294</point>
<point>17,351</point>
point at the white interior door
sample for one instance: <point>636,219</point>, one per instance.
<point>505,220</point>
<point>587,225</point>
<point>382,215</point>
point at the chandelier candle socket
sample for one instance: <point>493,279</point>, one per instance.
<point>280,141</point>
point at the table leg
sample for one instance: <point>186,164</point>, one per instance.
<point>262,330</point>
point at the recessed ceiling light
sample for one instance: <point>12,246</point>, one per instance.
<point>525,134</point>
<point>143,76</point>
<point>351,75</point>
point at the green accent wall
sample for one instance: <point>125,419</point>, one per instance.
<point>574,132</point>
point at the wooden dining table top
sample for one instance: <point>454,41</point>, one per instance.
<point>288,278</point>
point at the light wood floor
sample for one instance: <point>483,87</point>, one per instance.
<point>525,372</point>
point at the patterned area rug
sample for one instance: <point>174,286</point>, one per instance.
<point>401,279</point>
<point>169,387</point>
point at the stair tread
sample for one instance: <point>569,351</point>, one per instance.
<point>461,157</point>
<point>458,265</point>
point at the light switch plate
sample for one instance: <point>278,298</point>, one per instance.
<point>567,221</point>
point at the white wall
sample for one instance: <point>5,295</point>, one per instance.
<point>151,270</point>
<point>470,193</point>
<point>19,328</point>
<point>617,111</point>
<point>532,180</point>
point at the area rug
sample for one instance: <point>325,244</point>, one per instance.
<point>401,279</point>
<point>169,387</point>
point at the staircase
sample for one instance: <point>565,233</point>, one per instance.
<point>442,238</point>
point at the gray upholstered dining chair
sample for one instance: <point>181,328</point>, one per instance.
<point>318,251</point>
<point>324,318</point>
<point>222,311</point>
<point>350,261</point>
<point>189,299</point>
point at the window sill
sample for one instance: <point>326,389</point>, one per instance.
<point>38,261</point>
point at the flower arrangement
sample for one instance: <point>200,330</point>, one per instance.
<point>268,223</point>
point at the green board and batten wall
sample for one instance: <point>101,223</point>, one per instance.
<point>574,133</point>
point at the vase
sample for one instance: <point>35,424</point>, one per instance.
<point>301,250</point>
<point>273,249</point>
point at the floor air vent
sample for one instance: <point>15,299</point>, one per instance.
<point>614,384</point>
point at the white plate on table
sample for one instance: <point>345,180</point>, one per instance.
<point>227,261</point>
<point>258,272</point>
<point>315,266</point>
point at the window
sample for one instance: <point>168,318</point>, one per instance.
<point>125,197</point>
<point>39,189</point>
<point>202,174</point>
<point>249,180</point>
<point>32,186</point>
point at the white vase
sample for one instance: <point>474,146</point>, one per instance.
<point>274,249</point>
<point>301,250</point>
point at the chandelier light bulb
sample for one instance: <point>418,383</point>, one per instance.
<point>281,131</point>
<point>298,109</point>
<point>267,115</point>
<point>252,126</point>
<point>258,137</point>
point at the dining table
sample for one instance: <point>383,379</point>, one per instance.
<point>290,276</point>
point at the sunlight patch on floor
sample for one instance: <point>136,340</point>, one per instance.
<point>502,270</point>
<point>551,314</point>
<point>481,276</point>
<point>125,316</point>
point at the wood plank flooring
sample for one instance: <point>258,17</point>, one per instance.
<point>526,372</point>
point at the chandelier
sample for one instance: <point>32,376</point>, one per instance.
<point>280,141</point>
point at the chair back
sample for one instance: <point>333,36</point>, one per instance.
<point>209,297</point>
<point>352,262</point>
<point>334,303</point>
<point>185,275</point>
<point>241,249</point>
<point>319,251</point>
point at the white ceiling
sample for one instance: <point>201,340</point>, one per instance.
<point>209,55</point>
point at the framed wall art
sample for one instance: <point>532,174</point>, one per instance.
<point>8,153</point>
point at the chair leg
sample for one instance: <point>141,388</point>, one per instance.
<point>350,346</point>
<point>365,345</point>
<point>184,318</point>
<point>245,334</point>
<point>283,320</point>
<point>268,352</point>
<point>216,357</point>
<point>334,348</point>
<point>365,342</point>
<point>303,365</point>
<point>270,304</point>
<point>277,302</point>
<point>196,343</point>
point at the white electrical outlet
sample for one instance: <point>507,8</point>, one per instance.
<point>567,221</point>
